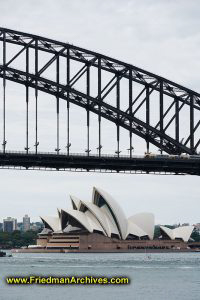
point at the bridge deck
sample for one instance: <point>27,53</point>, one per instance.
<point>79,162</point>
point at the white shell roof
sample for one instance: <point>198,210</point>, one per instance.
<point>110,222</point>
<point>58,211</point>
<point>168,232</point>
<point>80,217</point>
<point>106,217</point>
<point>100,216</point>
<point>95,225</point>
<point>182,232</point>
<point>135,230</point>
<point>87,220</point>
<point>53,222</point>
<point>75,202</point>
<point>117,211</point>
<point>145,221</point>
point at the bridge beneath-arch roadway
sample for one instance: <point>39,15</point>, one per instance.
<point>138,104</point>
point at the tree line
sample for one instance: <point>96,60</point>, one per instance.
<point>17,239</point>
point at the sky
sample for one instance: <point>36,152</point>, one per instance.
<point>160,36</point>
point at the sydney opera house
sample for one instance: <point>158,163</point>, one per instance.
<point>101,225</point>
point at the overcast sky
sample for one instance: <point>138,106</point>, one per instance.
<point>160,36</point>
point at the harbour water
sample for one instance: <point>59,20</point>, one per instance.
<point>153,276</point>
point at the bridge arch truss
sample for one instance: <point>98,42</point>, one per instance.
<point>114,90</point>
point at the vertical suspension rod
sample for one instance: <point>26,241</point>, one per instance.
<point>27,98</point>
<point>99,98</point>
<point>68,103</point>
<point>192,123</point>
<point>4,93</point>
<point>161,114</point>
<point>88,112</point>
<point>57,101</point>
<point>147,117</point>
<point>118,107</point>
<point>36,97</point>
<point>130,109</point>
<point>177,119</point>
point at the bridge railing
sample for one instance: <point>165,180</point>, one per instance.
<point>92,155</point>
<point>70,154</point>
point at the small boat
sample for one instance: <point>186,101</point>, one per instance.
<point>2,254</point>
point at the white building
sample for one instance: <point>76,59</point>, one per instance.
<point>103,215</point>
<point>181,232</point>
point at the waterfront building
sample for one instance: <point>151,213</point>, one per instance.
<point>26,223</point>
<point>101,226</point>
<point>9,224</point>
<point>180,233</point>
<point>104,216</point>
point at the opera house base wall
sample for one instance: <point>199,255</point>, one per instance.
<point>94,242</point>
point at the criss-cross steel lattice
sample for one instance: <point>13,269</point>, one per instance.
<point>102,75</point>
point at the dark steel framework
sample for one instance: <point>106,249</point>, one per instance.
<point>172,97</point>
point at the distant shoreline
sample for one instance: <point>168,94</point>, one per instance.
<point>102,251</point>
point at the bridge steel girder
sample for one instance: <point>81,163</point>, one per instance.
<point>138,127</point>
<point>126,118</point>
<point>99,164</point>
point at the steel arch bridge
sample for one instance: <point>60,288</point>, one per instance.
<point>162,113</point>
